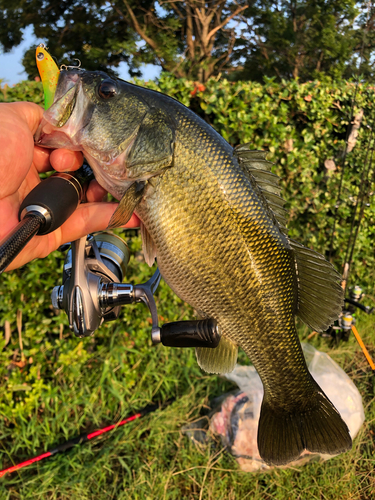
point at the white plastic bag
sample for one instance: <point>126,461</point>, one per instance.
<point>237,421</point>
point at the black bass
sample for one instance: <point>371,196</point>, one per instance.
<point>213,216</point>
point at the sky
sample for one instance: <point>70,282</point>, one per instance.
<point>11,69</point>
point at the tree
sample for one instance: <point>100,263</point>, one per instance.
<point>307,39</point>
<point>190,38</point>
<point>198,39</point>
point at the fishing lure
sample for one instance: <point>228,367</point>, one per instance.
<point>49,74</point>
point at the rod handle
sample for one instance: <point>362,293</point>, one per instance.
<point>14,242</point>
<point>56,198</point>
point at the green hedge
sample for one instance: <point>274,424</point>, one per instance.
<point>302,126</point>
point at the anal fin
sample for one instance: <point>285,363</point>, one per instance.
<point>222,359</point>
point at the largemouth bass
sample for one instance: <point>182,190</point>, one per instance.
<point>213,216</point>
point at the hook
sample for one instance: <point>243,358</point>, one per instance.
<point>63,67</point>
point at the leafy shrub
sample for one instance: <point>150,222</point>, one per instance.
<point>302,126</point>
<point>23,91</point>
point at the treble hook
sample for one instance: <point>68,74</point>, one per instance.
<point>63,67</point>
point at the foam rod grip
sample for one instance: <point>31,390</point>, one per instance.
<point>200,333</point>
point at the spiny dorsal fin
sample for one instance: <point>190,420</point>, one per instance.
<point>254,162</point>
<point>320,295</point>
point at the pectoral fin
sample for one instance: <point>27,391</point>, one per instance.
<point>127,205</point>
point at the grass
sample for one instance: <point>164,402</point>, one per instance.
<point>55,386</point>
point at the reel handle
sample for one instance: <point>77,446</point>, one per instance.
<point>199,333</point>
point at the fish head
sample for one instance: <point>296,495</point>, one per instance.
<point>98,115</point>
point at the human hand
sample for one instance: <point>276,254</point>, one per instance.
<point>20,164</point>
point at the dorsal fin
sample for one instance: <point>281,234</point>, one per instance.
<point>320,295</point>
<point>254,162</point>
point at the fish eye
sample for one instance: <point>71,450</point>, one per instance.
<point>107,89</point>
<point>40,56</point>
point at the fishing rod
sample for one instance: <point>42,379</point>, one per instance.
<point>361,203</point>
<point>346,323</point>
<point>45,209</point>
<point>338,200</point>
<point>83,438</point>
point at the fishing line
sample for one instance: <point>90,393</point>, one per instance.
<point>338,200</point>
<point>362,193</point>
<point>362,204</point>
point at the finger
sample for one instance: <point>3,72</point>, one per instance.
<point>41,159</point>
<point>16,143</point>
<point>28,111</point>
<point>89,218</point>
<point>95,192</point>
<point>133,222</point>
<point>64,160</point>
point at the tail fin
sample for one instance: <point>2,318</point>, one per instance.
<point>283,436</point>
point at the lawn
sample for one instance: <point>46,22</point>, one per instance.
<point>55,386</point>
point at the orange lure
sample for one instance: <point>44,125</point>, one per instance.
<point>49,74</point>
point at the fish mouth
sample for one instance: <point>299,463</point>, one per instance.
<point>63,122</point>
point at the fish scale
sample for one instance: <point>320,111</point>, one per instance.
<point>213,217</point>
<point>238,297</point>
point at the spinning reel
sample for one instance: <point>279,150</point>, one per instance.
<point>347,320</point>
<point>92,292</point>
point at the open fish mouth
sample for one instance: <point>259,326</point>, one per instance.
<point>62,123</point>
<point>79,120</point>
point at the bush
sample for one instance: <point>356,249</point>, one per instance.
<point>302,126</point>
<point>24,91</point>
